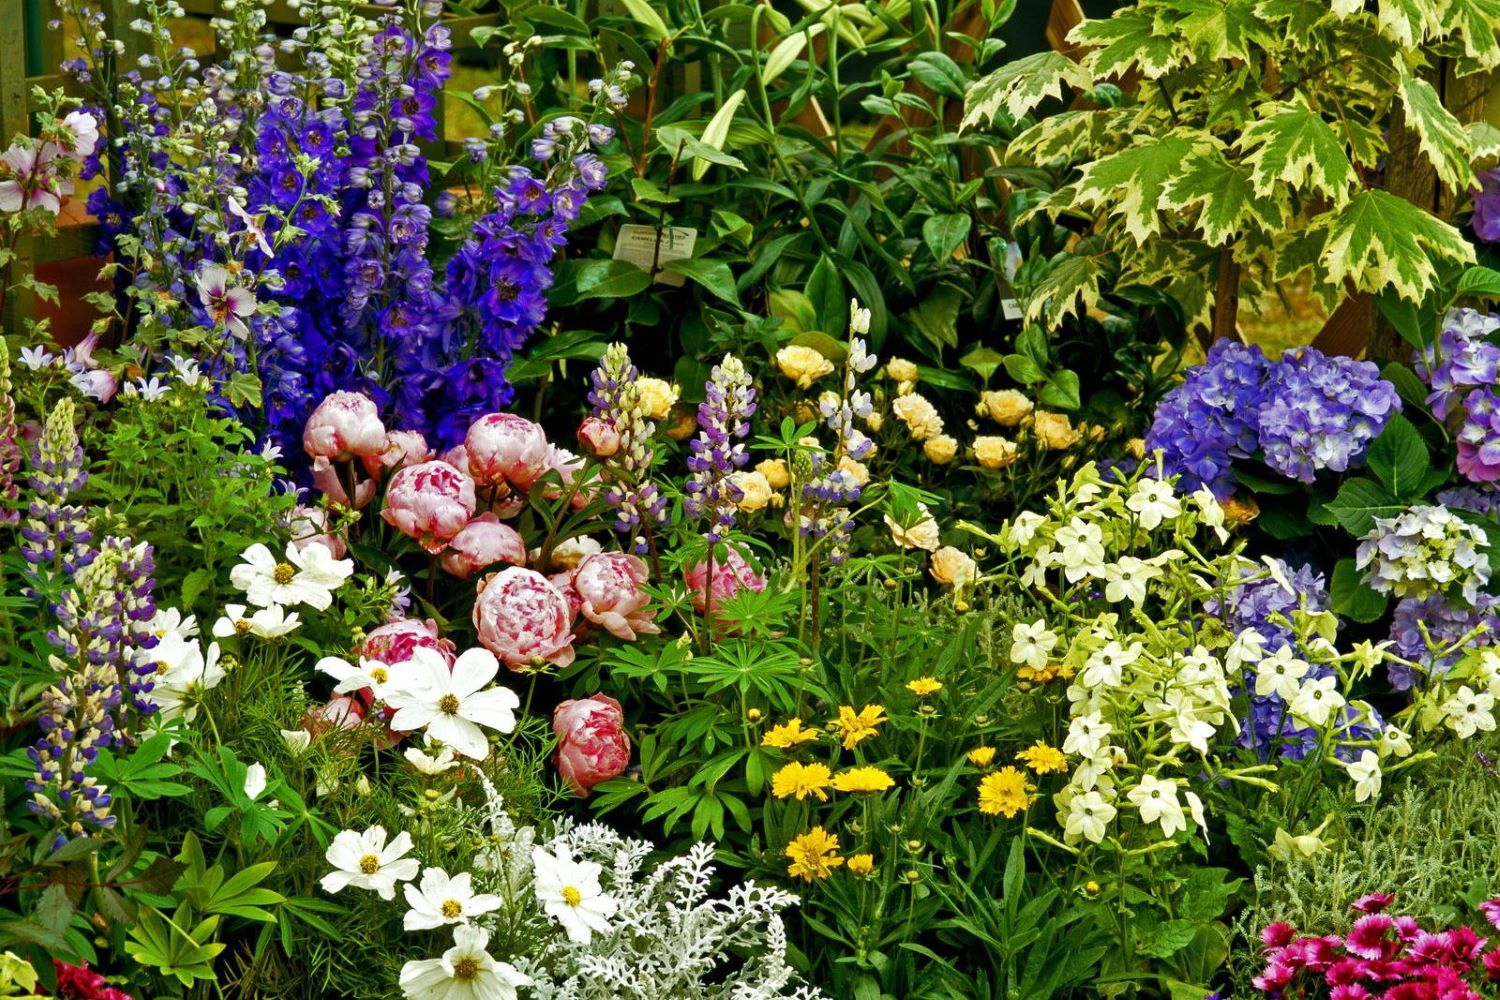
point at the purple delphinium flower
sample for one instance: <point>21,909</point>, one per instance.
<point>717,452</point>
<point>1446,623</point>
<point>615,399</point>
<point>1321,412</point>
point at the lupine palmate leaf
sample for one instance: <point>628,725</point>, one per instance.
<point>1380,241</point>
<point>1134,179</point>
<point>1477,22</point>
<point>1221,29</point>
<point>1125,41</point>
<point>1439,134</point>
<point>1293,145</point>
<point>1017,87</point>
<point>1223,194</point>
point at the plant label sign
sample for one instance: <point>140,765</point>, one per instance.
<point>650,249</point>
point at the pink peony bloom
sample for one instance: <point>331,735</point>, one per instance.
<point>591,742</point>
<point>430,502</point>
<point>598,437</point>
<point>309,525</point>
<point>506,449</point>
<point>393,642</point>
<point>483,542</point>
<point>522,618</point>
<point>732,573</point>
<point>609,588</point>
<point>345,425</point>
<point>564,583</point>
<point>567,466</point>
<point>402,448</point>
<point>325,477</point>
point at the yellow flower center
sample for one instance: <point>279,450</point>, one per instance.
<point>369,864</point>
<point>571,896</point>
<point>241,625</point>
<point>283,573</point>
<point>465,969</point>
<point>452,909</point>
<point>379,675</point>
<point>448,704</point>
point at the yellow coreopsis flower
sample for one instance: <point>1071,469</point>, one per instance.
<point>788,735</point>
<point>859,726</point>
<point>862,779</point>
<point>861,864</point>
<point>1043,759</point>
<point>982,756</point>
<point>813,855</point>
<point>801,780</point>
<point>1003,793</point>
<point>924,686</point>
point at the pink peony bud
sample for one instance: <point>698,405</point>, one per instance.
<point>343,426</point>
<point>310,524</point>
<point>430,502</point>
<point>402,448</point>
<point>591,742</point>
<point>599,437</point>
<point>732,573</point>
<point>393,642</point>
<point>522,618</point>
<point>483,542</point>
<point>341,712</point>
<point>325,477</point>
<point>609,586</point>
<point>506,449</point>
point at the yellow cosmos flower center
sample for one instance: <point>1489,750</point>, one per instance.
<point>448,704</point>
<point>571,896</point>
<point>465,969</point>
<point>242,625</point>
<point>452,909</point>
<point>379,675</point>
<point>283,573</point>
<point>369,864</point>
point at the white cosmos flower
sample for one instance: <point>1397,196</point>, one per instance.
<point>570,892</point>
<point>465,972</point>
<point>307,576</point>
<point>1280,673</point>
<point>255,780</point>
<point>366,861</point>
<point>1032,644</point>
<point>1088,816</point>
<point>439,899</point>
<point>1365,773</point>
<point>1316,700</point>
<point>1157,801</point>
<point>1468,712</point>
<point>443,760</point>
<point>1086,734</point>
<point>372,674</point>
<point>450,704</point>
<point>264,623</point>
<point>1153,502</point>
<point>170,621</point>
<point>183,673</point>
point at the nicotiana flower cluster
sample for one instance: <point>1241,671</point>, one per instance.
<point>1463,369</point>
<point>1301,414</point>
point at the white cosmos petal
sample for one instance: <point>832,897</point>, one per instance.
<point>473,670</point>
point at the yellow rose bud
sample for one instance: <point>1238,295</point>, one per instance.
<point>755,491</point>
<point>919,415</point>
<point>994,452</point>
<point>1006,407</point>
<point>775,471</point>
<point>941,449</point>
<point>900,370</point>
<point>802,365</point>
<point>1136,448</point>
<point>1054,430</point>
<point>953,568</point>
<point>657,397</point>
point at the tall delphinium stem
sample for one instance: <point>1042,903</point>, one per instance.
<point>616,400</point>
<point>10,444</point>
<point>55,534</point>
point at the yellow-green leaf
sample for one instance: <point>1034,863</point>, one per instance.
<point>1292,145</point>
<point>786,52</point>
<point>1126,40</point>
<point>1379,241</point>
<point>1131,182</point>
<point>1439,135</point>
<point>1227,203</point>
<point>1018,87</point>
<point>642,12</point>
<point>717,130</point>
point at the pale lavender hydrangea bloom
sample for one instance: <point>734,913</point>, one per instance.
<point>1425,551</point>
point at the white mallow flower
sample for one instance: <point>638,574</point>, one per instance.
<point>439,899</point>
<point>1394,741</point>
<point>1316,700</point>
<point>1126,580</point>
<point>1153,502</point>
<point>452,705</point>
<point>1365,773</point>
<point>1080,550</point>
<point>570,892</point>
<point>306,576</point>
<point>1106,667</point>
<point>465,972</point>
<point>372,674</point>
<point>1280,673</point>
<point>366,861</point>
<point>1086,734</point>
<point>1088,816</point>
<point>1157,801</point>
<point>264,623</point>
<point>1468,712</point>
<point>1032,644</point>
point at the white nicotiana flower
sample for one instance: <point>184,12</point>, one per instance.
<point>1126,580</point>
<point>1365,773</point>
<point>1210,511</point>
<point>1088,817</point>
<point>1247,649</point>
<point>1032,644</point>
<point>1394,742</point>
<point>1468,712</point>
<point>443,760</point>
<point>1090,770</point>
<point>365,861</point>
<point>1157,801</point>
<point>1080,550</point>
<point>1106,667</point>
<point>308,576</point>
<point>439,899</point>
<point>452,704</point>
<point>1153,501</point>
<point>1086,734</point>
<point>569,891</point>
<point>372,674</point>
<point>1316,700</point>
<point>1195,810</point>
<point>1022,529</point>
<point>1280,673</point>
<point>465,972</point>
<point>264,623</point>
<point>1188,727</point>
<point>1487,671</point>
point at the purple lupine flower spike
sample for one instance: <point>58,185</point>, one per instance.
<point>55,534</point>
<point>717,452</point>
<point>616,400</point>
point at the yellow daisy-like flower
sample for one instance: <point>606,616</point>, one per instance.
<point>801,780</point>
<point>813,854</point>
<point>859,726</point>
<point>982,756</point>
<point>861,864</point>
<point>924,686</point>
<point>1051,672</point>
<point>788,735</point>
<point>1003,793</point>
<point>862,779</point>
<point>1043,759</point>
